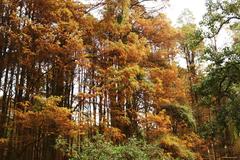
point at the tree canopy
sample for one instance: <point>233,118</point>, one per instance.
<point>74,85</point>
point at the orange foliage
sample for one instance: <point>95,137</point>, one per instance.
<point>114,134</point>
<point>48,118</point>
<point>156,125</point>
<point>196,143</point>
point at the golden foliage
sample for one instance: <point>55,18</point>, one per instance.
<point>174,146</point>
<point>156,125</point>
<point>114,134</point>
<point>47,117</point>
<point>193,141</point>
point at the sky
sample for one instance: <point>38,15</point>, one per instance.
<point>176,7</point>
<point>197,7</point>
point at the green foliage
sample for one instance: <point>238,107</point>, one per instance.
<point>181,113</point>
<point>209,130</point>
<point>192,38</point>
<point>176,148</point>
<point>63,146</point>
<point>220,13</point>
<point>100,149</point>
<point>219,89</point>
<point>168,147</point>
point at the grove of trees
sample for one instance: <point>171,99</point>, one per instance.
<point>78,86</point>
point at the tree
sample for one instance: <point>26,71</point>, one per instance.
<point>220,13</point>
<point>191,46</point>
<point>218,88</point>
<point>115,75</point>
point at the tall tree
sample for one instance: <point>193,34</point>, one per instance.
<point>218,89</point>
<point>192,47</point>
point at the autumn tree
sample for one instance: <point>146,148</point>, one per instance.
<point>114,74</point>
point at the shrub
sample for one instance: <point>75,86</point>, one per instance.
<point>100,149</point>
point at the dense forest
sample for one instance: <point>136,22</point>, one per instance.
<point>101,80</point>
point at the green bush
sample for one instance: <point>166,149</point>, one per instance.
<point>100,149</point>
<point>167,148</point>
